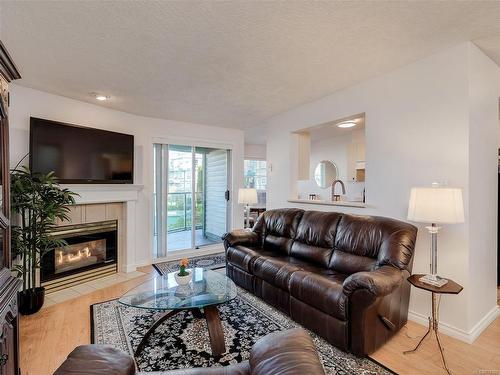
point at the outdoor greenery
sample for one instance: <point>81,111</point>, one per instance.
<point>179,202</point>
<point>37,202</point>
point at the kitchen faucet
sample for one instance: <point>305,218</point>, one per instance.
<point>336,197</point>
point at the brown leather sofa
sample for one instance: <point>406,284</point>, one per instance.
<point>341,276</point>
<point>286,353</point>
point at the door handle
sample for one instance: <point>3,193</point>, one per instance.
<point>226,195</point>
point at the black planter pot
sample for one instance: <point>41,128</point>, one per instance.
<point>31,300</point>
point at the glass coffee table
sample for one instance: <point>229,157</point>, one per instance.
<point>206,290</point>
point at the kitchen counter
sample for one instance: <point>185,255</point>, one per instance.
<point>329,203</point>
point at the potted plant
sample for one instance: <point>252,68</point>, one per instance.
<point>37,202</point>
<point>183,277</point>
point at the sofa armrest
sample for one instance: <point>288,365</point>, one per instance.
<point>380,282</point>
<point>240,237</point>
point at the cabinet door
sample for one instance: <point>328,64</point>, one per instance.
<point>355,153</point>
<point>360,152</point>
<point>8,347</point>
<point>352,154</point>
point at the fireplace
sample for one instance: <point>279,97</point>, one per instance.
<point>90,253</point>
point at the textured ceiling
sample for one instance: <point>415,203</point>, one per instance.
<point>231,64</point>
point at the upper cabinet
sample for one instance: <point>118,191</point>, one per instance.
<point>356,162</point>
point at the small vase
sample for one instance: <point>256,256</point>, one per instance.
<point>183,280</point>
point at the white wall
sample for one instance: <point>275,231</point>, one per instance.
<point>417,132</point>
<point>255,151</point>
<point>27,102</point>
<point>484,85</point>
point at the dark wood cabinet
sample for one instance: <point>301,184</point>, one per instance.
<point>9,285</point>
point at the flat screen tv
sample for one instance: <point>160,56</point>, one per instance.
<point>80,155</point>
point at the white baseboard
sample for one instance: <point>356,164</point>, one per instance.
<point>130,268</point>
<point>480,326</point>
<point>460,334</point>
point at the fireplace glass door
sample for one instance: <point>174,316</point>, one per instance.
<point>79,255</point>
<point>89,247</point>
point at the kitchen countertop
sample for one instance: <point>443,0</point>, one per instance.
<point>329,203</point>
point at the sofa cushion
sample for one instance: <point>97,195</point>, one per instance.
<point>275,270</point>
<point>315,237</point>
<point>243,256</point>
<point>277,229</point>
<point>385,240</point>
<point>323,292</point>
<point>350,263</point>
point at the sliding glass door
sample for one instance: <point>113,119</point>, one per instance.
<point>190,197</point>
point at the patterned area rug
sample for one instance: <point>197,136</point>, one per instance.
<point>212,262</point>
<point>182,341</point>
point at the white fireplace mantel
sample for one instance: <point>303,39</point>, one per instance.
<point>114,193</point>
<point>104,193</point>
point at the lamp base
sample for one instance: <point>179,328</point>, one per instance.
<point>433,280</point>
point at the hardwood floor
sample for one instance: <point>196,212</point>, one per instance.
<point>47,338</point>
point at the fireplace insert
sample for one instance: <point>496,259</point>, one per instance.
<point>90,248</point>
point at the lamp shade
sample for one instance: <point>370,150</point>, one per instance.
<point>438,205</point>
<point>247,196</point>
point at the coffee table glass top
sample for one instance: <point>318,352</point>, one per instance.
<point>206,288</point>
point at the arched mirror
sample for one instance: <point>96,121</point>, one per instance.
<point>325,173</point>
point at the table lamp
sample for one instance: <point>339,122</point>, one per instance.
<point>435,205</point>
<point>247,197</point>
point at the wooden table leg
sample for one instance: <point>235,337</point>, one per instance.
<point>151,329</point>
<point>215,330</point>
<point>197,313</point>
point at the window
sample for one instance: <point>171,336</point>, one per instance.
<point>255,172</point>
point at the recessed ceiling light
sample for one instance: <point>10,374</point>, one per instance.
<point>100,97</point>
<point>347,124</point>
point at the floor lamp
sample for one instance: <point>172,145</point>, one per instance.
<point>435,205</point>
<point>247,197</point>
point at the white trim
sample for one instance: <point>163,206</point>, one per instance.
<point>133,267</point>
<point>193,197</point>
<point>468,337</point>
<point>198,142</point>
<point>193,142</point>
<point>91,194</point>
<point>103,187</point>
<point>258,159</point>
<point>480,326</point>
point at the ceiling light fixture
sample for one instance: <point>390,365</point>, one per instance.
<point>100,97</point>
<point>347,124</point>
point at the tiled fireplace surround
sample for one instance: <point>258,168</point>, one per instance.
<point>97,203</point>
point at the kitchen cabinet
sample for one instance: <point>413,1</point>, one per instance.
<point>356,162</point>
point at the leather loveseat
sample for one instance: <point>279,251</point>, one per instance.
<point>286,353</point>
<point>341,276</point>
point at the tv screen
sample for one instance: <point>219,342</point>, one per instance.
<point>81,155</point>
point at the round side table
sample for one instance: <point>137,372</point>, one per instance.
<point>450,287</point>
